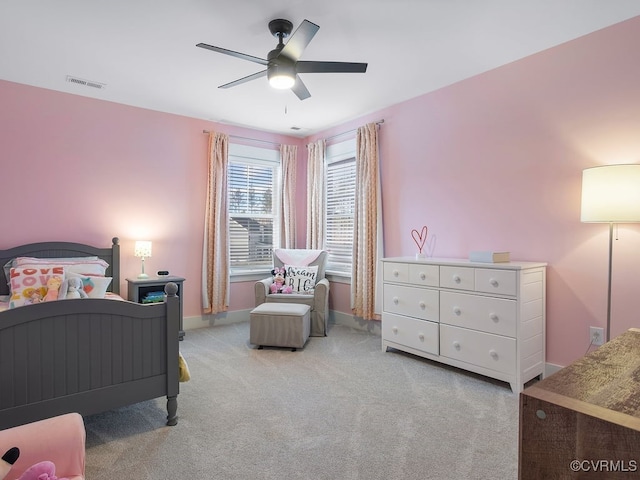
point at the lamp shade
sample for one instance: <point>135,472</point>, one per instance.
<point>611,194</point>
<point>142,249</point>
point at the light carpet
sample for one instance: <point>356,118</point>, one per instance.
<point>338,409</point>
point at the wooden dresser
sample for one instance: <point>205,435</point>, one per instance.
<point>488,318</point>
<point>584,420</point>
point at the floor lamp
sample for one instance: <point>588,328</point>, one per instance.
<point>611,194</point>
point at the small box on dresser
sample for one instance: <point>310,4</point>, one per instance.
<point>484,318</point>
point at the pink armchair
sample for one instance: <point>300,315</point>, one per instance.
<point>60,440</point>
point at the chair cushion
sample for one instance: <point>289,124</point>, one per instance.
<point>289,298</point>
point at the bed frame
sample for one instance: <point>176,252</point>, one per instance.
<point>85,355</point>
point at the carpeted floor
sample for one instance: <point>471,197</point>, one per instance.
<point>338,409</point>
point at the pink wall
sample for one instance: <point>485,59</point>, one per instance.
<point>493,162</point>
<point>84,170</point>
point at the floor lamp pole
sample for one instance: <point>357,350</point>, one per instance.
<point>608,337</point>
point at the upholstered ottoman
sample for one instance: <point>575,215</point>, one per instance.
<point>280,325</point>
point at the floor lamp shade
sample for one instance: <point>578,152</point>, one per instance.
<point>611,194</point>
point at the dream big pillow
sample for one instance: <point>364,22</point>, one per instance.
<point>29,284</point>
<point>301,279</point>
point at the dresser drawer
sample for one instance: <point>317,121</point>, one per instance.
<point>396,272</point>
<point>413,333</point>
<point>486,350</point>
<point>461,278</point>
<point>488,314</point>
<point>411,301</point>
<point>490,280</point>
<point>426,275</point>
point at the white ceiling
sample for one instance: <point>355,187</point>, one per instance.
<point>145,53</point>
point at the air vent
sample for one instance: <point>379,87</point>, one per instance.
<point>86,83</point>
<point>296,128</point>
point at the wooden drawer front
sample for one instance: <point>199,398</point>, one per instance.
<point>483,349</point>
<point>496,281</point>
<point>426,275</point>
<point>412,301</point>
<point>457,277</point>
<point>419,334</point>
<point>396,272</point>
<point>493,315</point>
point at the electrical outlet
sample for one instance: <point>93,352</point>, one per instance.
<point>596,335</point>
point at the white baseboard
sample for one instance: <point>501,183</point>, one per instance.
<point>237,316</point>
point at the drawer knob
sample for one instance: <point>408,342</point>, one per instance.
<point>457,310</point>
<point>421,337</point>
<point>394,329</point>
<point>422,276</point>
<point>396,273</point>
<point>493,317</point>
<point>494,282</point>
<point>456,345</point>
<point>422,305</point>
<point>457,279</point>
<point>395,300</point>
<point>493,354</point>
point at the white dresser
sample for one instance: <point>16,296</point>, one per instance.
<point>488,318</point>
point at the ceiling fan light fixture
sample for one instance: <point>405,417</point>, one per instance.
<point>282,81</point>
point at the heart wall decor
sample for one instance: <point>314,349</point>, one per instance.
<point>420,238</point>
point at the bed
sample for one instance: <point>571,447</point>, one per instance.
<point>85,355</point>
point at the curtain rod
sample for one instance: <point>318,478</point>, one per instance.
<point>247,138</point>
<point>379,122</point>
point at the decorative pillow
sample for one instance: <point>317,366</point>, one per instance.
<point>94,286</point>
<point>29,285</point>
<point>83,265</point>
<point>301,279</point>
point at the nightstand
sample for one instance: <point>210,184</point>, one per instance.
<point>141,290</point>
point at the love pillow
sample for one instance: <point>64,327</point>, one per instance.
<point>301,279</point>
<point>29,284</point>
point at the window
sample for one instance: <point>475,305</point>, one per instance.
<point>253,222</point>
<point>340,208</point>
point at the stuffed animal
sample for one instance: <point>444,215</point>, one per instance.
<point>278,285</point>
<point>40,471</point>
<point>76,289</point>
<point>53,288</point>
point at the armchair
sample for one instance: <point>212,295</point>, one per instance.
<point>60,440</point>
<point>318,301</point>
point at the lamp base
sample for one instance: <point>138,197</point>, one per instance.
<point>143,275</point>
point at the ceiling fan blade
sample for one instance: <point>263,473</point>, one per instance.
<point>330,67</point>
<point>299,40</point>
<point>246,79</point>
<point>300,89</point>
<point>243,56</point>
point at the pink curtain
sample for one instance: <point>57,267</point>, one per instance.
<point>316,179</point>
<point>215,253</point>
<point>288,162</point>
<point>367,225</point>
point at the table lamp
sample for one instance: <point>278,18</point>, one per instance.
<point>142,250</point>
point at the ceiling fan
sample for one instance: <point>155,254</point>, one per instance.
<point>283,63</point>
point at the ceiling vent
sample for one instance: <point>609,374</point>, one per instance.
<point>86,83</point>
<point>296,128</point>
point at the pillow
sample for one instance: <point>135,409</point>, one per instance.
<point>29,285</point>
<point>94,286</point>
<point>301,279</point>
<point>83,265</point>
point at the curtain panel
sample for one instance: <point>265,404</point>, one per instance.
<point>367,244</point>
<point>215,252</point>
<point>288,161</point>
<point>316,184</point>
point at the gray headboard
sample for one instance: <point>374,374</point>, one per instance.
<point>111,255</point>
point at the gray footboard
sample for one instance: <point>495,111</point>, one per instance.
<point>87,356</point>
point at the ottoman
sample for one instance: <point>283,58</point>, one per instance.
<point>280,325</point>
